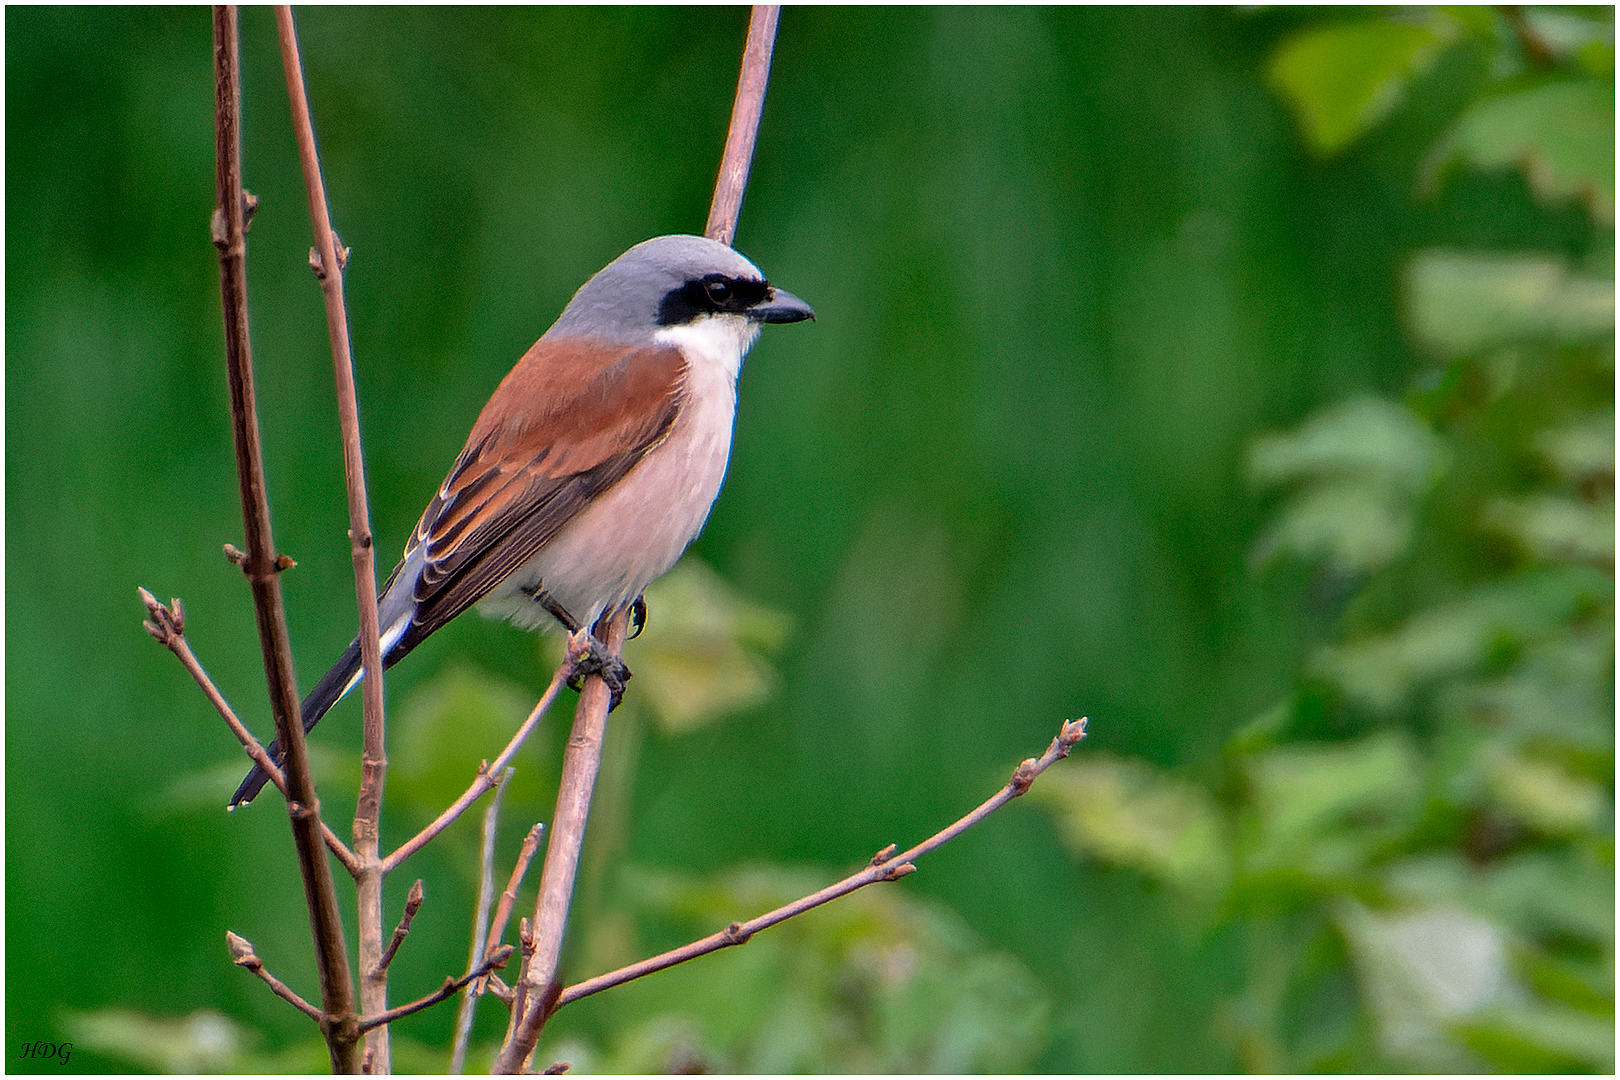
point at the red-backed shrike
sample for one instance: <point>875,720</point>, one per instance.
<point>594,464</point>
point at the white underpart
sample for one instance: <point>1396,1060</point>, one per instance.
<point>635,531</point>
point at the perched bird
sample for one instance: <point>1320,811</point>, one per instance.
<point>593,465</point>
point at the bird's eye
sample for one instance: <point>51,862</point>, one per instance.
<point>719,290</point>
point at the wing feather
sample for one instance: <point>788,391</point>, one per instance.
<point>567,424</point>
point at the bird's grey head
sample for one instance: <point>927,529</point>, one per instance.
<point>672,281</point>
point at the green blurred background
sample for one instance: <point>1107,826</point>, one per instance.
<point>1241,380</point>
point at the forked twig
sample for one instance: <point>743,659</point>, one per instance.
<point>885,866</point>
<point>413,904</point>
<point>494,963</point>
<point>168,625</point>
<point>485,781</point>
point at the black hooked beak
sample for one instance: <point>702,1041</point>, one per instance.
<point>780,307</point>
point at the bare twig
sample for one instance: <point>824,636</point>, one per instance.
<point>745,113</point>
<point>580,763</point>
<point>262,566</point>
<point>485,781</point>
<point>486,897</point>
<point>495,962</point>
<point>497,929</point>
<point>520,988</point>
<point>496,988</point>
<point>373,759</point>
<point>242,956</point>
<point>886,866</point>
<point>503,908</point>
<point>413,904</point>
<point>167,625</point>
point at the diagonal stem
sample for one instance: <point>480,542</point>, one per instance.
<point>745,114</point>
<point>167,625</point>
<point>486,780</point>
<point>580,763</point>
<point>887,866</point>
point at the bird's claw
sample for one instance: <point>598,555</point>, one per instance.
<point>588,656</point>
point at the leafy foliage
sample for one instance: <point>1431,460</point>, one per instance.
<point>1429,817</point>
<point>877,982</point>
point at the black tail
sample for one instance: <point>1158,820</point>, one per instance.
<point>323,697</point>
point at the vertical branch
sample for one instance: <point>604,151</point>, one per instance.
<point>745,113</point>
<point>539,986</point>
<point>537,992</point>
<point>328,261</point>
<point>480,942</point>
<point>260,565</point>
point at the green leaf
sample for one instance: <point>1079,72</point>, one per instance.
<point>1423,970</point>
<point>1323,808</point>
<point>1542,1038</point>
<point>203,1042</point>
<point>447,726</point>
<point>702,656</point>
<point>1545,796</point>
<point>1341,80</point>
<point>1460,303</point>
<point>1560,133</point>
<point>1360,466</point>
<point>1583,452</point>
<point>1125,812</point>
<point>1557,528</point>
<point>1382,669</point>
<point>1363,438</point>
<point>1352,526</point>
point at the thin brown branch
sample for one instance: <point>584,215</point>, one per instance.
<point>536,994</point>
<point>503,907</point>
<point>242,956</point>
<point>480,942</point>
<point>520,987</point>
<point>329,263</point>
<point>886,866</point>
<point>167,625</point>
<point>485,781</point>
<point>261,565</point>
<point>413,904</point>
<point>745,114</point>
<point>494,963</point>
<point>497,989</point>
<point>581,761</point>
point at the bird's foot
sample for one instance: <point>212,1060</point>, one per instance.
<point>588,656</point>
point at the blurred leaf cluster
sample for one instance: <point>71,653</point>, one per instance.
<point>877,982</point>
<point>1417,843</point>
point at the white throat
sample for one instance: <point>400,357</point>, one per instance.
<point>722,340</point>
